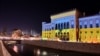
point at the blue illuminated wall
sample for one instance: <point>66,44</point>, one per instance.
<point>62,20</point>
<point>90,29</point>
<point>90,22</point>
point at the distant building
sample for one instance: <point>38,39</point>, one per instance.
<point>17,33</point>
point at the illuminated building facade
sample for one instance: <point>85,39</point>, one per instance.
<point>68,26</point>
<point>90,28</point>
<point>62,25</point>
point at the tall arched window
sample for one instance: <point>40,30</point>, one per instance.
<point>97,23</point>
<point>85,24</point>
<point>64,25</point>
<point>80,22</point>
<point>72,24</point>
<point>61,25</point>
<point>91,24</point>
<point>56,27</point>
<point>67,25</point>
<point>80,26</point>
<point>52,28</point>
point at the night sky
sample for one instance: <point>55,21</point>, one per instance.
<point>29,14</point>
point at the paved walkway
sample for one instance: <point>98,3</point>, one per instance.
<point>3,51</point>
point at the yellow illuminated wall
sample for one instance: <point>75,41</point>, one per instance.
<point>61,18</point>
<point>90,29</point>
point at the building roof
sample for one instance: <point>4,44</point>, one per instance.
<point>63,14</point>
<point>89,17</point>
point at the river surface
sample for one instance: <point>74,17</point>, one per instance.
<point>29,50</point>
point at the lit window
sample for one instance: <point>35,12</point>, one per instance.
<point>56,26</point>
<point>67,25</point>
<point>91,26</point>
<point>61,25</point>
<point>91,31</point>
<point>85,26</point>
<point>97,25</point>
<point>80,26</point>
<point>85,31</point>
<point>64,25</point>
<point>97,31</point>
<point>52,28</point>
<point>72,26</point>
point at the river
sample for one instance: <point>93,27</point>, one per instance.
<point>29,50</point>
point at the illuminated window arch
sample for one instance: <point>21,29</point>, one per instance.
<point>72,24</point>
<point>67,25</point>
<point>80,24</point>
<point>52,28</point>
<point>64,25</point>
<point>85,24</point>
<point>97,23</point>
<point>97,31</point>
<point>91,24</point>
<point>85,32</point>
<point>61,26</point>
<point>56,26</point>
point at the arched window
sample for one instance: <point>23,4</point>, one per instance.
<point>85,31</point>
<point>52,28</point>
<point>61,25</point>
<point>56,27</point>
<point>91,31</point>
<point>67,25</point>
<point>80,22</point>
<point>97,31</point>
<point>91,24</point>
<point>64,25</point>
<point>45,29</point>
<point>72,24</point>
<point>85,26</point>
<point>80,26</point>
<point>97,23</point>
